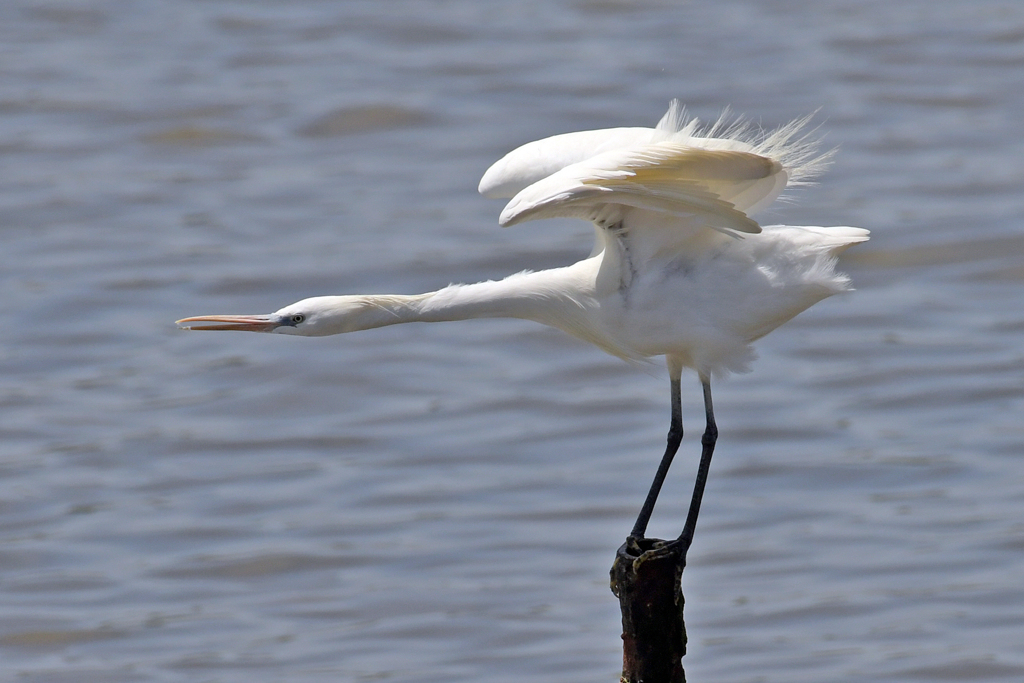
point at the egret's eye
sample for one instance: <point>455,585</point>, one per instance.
<point>297,318</point>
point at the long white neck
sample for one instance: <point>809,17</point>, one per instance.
<point>552,297</point>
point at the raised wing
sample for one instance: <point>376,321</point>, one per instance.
<point>535,161</point>
<point>717,186</point>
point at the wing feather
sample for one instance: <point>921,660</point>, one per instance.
<point>669,177</point>
<point>533,161</point>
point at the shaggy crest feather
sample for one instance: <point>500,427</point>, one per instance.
<point>792,145</point>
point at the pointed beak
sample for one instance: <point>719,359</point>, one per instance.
<point>243,323</point>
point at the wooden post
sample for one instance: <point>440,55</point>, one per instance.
<point>646,577</point>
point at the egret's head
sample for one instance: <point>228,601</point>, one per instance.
<point>315,317</point>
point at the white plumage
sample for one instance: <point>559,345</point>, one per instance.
<point>679,268</point>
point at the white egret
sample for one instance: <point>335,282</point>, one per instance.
<point>679,268</point>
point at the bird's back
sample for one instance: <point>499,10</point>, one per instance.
<point>705,306</point>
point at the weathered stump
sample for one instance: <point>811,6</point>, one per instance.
<point>646,577</point>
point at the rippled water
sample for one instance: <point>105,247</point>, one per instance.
<point>425,503</point>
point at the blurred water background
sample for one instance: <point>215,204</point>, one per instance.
<point>442,503</point>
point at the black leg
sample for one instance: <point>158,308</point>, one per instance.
<point>675,435</point>
<point>708,443</point>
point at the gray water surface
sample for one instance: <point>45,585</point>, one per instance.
<point>428,503</point>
